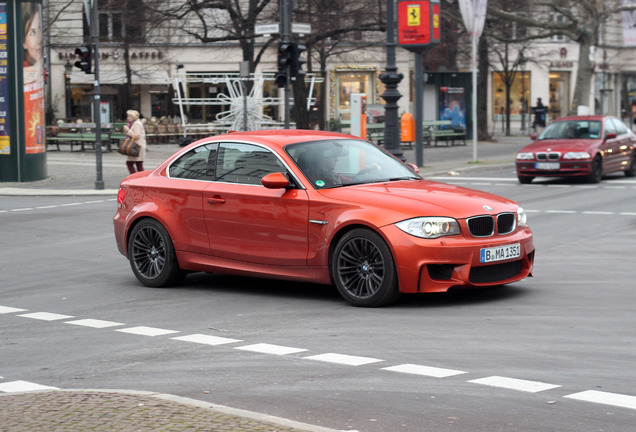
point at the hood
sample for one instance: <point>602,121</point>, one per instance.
<point>422,198</point>
<point>561,145</point>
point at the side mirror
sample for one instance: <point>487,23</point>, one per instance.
<point>533,137</point>
<point>413,167</point>
<point>611,135</point>
<point>275,181</point>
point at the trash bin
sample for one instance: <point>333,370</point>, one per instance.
<point>407,127</point>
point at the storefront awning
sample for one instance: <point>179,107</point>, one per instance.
<point>110,77</point>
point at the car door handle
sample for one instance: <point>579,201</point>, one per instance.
<point>216,200</point>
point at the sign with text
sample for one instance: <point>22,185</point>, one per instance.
<point>418,23</point>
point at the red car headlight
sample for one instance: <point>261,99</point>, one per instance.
<point>429,227</point>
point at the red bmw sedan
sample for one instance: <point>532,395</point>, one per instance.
<point>318,207</point>
<point>583,146</point>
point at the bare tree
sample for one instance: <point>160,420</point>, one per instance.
<point>579,20</point>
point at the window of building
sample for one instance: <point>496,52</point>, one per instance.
<point>119,20</point>
<point>519,95</point>
<point>348,82</point>
<point>560,19</point>
<point>559,94</point>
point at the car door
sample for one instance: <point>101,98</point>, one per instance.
<point>248,222</point>
<point>624,144</point>
<point>610,146</point>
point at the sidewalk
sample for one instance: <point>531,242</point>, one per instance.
<point>76,173</point>
<point>115,411</point>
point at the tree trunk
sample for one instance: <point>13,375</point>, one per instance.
<point>482,91</point>
<point>584,75</point>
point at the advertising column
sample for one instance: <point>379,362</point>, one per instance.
<point>22,114</point>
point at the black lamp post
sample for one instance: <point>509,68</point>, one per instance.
<point>68,68</point>
<point>391,78</point>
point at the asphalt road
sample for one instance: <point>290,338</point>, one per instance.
<point>552,353</point>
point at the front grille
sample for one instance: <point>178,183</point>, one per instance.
<point>506,223</point>
<point>494,273</point>
<point>544,156</point>
<point>481,226</point>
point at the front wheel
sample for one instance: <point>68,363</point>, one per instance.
<point>631,171</point>
<point>596,175</point>
<point>363,269</point>
<point>152,256</point>
<point>525,179</point>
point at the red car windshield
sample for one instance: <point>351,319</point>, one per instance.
<point>345,162</point>
<point>572,129</point>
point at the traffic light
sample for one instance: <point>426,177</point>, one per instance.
<point>284,62</point>
<point>297,62</point>
<point>84,62</point>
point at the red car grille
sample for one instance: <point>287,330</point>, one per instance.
<point>495,272</point>
<point>552,156</point>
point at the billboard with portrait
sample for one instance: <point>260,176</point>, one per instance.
<point>33,76</point>
<point>5,128</point>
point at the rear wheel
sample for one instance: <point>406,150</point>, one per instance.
<point>152,256</point>
<point>364,270</point>
<point>596,175</point>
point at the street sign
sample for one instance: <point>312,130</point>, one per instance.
<point>301,28</point>
<point>267,29</point>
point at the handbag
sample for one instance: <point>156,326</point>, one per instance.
<point>130,147</point>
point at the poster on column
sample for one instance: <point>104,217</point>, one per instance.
<point>33,75</point>
<point>5,132</point>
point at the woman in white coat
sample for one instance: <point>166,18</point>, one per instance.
<point>136,130</point>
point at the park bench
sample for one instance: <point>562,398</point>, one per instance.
<point>441,130</point>
<point>81,134</point>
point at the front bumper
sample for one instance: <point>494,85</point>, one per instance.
<point>454,261</point>
<point>566,169</point>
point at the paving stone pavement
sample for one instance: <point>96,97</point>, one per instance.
<point>110,411</point>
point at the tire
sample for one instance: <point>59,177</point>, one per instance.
<point>596,175</point>
<point>363,269</point>
<point>631,171</point>
<point>152,256</point>
<point>525,179</point>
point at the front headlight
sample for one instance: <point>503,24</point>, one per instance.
<point>429,227</point>
<point>522,217</point>
<point>576,155</point>
<point>525,156</point>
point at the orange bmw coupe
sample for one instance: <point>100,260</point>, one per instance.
<point>317,207</point>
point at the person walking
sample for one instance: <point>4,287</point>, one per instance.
<point>539,115</point>
<point>135,129</point>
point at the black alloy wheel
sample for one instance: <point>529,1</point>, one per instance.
<point>596,175</point>
<point>363,269</point>
<point>152,256</point>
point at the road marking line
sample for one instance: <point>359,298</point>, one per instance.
<point>598,213</point>
<point>627,214</point>
<point>46,207</point>
<point>206,339</point>
<point>23,386</point>
<point>22,209</point>
<point>424,370</point>
<point>7,309</point>
<point>515,384</point>
<point>271,349</point>
<point>70,204</point>
<point>344,359</point>
<point>147,331</point>
<point>94,323</point>
<point>561,211</point>
<point>46,316</point>
<point>615,399</point>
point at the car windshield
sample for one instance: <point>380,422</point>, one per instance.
<point>572,129</point>
<point>345,162</point>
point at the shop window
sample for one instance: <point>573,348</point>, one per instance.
<point>519,95</point>
<point>349,82</point>
<point>559,94</point>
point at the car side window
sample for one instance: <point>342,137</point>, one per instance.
<point>609,127</point>
<point>620,127</point>
<point>246,163</point>
<point>197,164</point>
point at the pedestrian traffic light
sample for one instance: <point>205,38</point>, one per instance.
<point>284,63</point>
<point>297,61</point>
<point>84,62</point>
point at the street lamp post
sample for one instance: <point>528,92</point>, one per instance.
<point>68,68</point>
<point>391,78</point>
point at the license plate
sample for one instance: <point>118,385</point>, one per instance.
<point>500,253</point>
<point>547,165</point>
